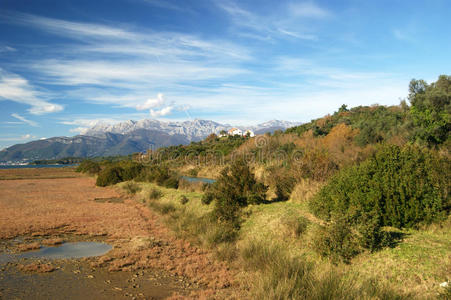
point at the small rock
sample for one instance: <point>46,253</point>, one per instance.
<point>90,276</point>
<point>444,284</point>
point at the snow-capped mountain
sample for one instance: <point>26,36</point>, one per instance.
<point>193,130</point>
<point>126,137</point>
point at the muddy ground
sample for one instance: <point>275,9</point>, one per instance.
<point>146,261</point>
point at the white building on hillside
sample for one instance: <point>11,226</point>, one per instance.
<point>235,131</point>
<point>249,133</point>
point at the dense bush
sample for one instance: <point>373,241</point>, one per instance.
<point>431,110</point>
<point>161,175</point>
<point>235,188</point>
<point>337,241</point>
<point>284,186</point>
<point>131,169</point>
<point>88,166</point>
<point>110,176</point>
<point>398,187</point>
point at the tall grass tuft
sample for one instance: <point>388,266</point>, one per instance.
<point>131,187</point>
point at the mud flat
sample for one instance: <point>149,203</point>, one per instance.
<point>146,261</point>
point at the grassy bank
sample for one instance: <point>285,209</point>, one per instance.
<point>276,250</point>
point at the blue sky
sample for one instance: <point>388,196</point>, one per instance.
<point>65,65</point>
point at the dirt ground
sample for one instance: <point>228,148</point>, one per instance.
<point>146,260</point>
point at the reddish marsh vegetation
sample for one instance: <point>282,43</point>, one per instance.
<point>49,209</point>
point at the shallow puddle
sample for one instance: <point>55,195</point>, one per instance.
<point>66,250</point>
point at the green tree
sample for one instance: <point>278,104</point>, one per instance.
<point>236,188</point>
<point>431,110</point>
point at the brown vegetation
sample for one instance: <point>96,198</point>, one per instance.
<point>66,207</point>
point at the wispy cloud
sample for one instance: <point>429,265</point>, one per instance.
<point>165,4</point>
<point>63,28</point>
<point>15,88</point>
<point>25,120</point>
<point>308,10</point>
<point>402,35</point>
<point>24,137</point>
<point>7,49</point>
<point>276,25</point>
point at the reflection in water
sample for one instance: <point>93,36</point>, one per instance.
<point>197,179</point>
<point>66,250</point>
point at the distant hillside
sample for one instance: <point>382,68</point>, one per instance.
<point>126,138</point>
<point>107,144</point>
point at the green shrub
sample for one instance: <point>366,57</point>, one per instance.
<point>193,172</point>
<point>400,186</point>
<point>110,176</point>
<point>161,175</point>
<point>154,194</point>
<point>131,188</point>
<point>284,187</point>
<point>431,109</point>
<point>184,200</point>
<point>207,198</point>
<point>88,166</point>
<point>337,241</point>
<point>235,188</point>
<point>131,170</point>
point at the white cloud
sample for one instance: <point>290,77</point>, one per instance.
<point>79,130</point>
<point>63,28</point>
<point>17,89</point>
<point>162,112</point>
<point>27,136</point>
<point>152,103</point>
<point>24,137</point>
<point>167,5</point>
<point>7,49</point>
<point>275,25</point>
<point>308,9</point>
<point>24,120</point>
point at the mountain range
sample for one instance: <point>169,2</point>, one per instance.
<point>126,137</point>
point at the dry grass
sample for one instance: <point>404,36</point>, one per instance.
<point>66,206</point>
<point>39,173</point>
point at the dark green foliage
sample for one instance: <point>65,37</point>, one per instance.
<point>284,187</point>
<point>161,175</point>
<point>236,187</point>
<point>337,241</point>
<point>398,187</point>
<point>110,176</point>
<point>88,166</point>
<point>431,110</point>
<point>376,123</point>
<point>210,150</point>
<point>131,169</point>
<point>61,161</point>
<point>184,200</point>
<point>207,197</point>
